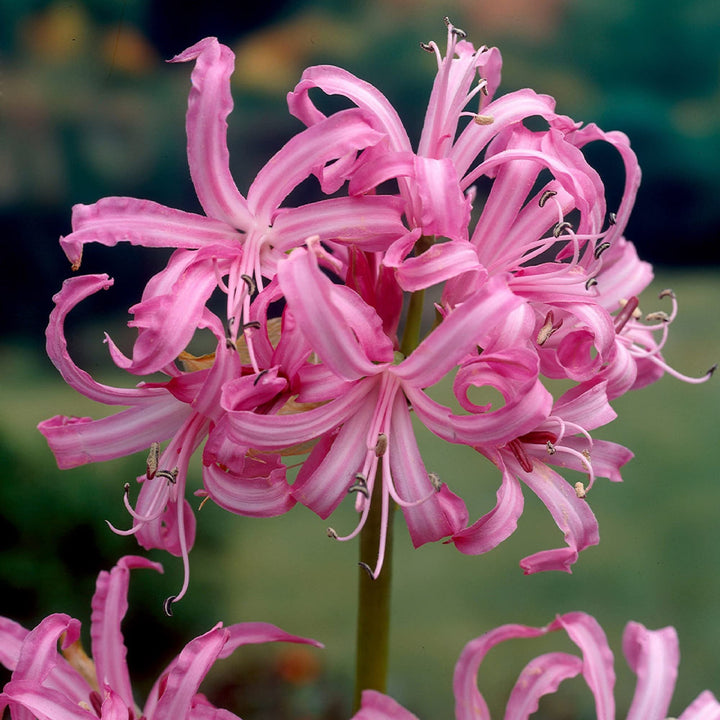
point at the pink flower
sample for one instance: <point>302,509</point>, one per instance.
<point>652,655</point>
<point>237,244</point>
<point>363,421</point>
<point>68,685</point>
<point>185,409</point>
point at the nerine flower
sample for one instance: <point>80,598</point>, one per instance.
<point>653,655</point>
<point>66,684</point>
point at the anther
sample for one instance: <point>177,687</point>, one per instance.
<point>600,249</point>
<point>484,119</point>
<point>367,569</point>
<point>712,370</point>
<point>167,605</point>
<point>612,218</point>
<point>628,308</point>
<point>435,481</point>
<point>331,533</point>
<point>126,488</point>
<point>426,47</point>
<point>590,282</point>
<point>546,196</point>
<point>360,485</point>
<point>548,328</point>
<point>259,375</point>
<point>229,344</point>
<point>580,490</point>
<point>460,34</point>
<point>667,292</point>
<point>252,325</point>
<point>153,457</point>
<point>169,475</point>
<point>560,228</point>
<point>658,316</point>
<point>250,283</point>
<point>381,445</point>
<point>550,448</point>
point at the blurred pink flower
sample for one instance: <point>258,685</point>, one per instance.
<point>653,655</point>
<point>67,685</point>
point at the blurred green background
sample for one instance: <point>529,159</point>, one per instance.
<point>88,108</point>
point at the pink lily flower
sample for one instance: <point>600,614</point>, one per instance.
<point>653,655</point>
<point>48,684</point>
<point>364,393</point>
<point>562,439</point>
<point>185,409</point>
<point>237,244</point>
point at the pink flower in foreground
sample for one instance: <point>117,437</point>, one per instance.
<point>67,685</point>
<point>653,655</point>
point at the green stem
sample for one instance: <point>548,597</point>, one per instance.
<point>373,622</point>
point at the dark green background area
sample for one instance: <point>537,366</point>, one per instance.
<point>79,121</point>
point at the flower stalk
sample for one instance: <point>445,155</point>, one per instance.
<point>373,619</point>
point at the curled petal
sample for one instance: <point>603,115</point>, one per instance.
<point>654,656</point>
<point>209,104</point>
<point>141,222</point>
<point>572,515</point>
<point>109,605</point>
<point>498,524</point>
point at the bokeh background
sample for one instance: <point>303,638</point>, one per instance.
<point>88,108</point>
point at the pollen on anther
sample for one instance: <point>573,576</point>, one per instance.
<point>484,119</point>
<point>612,218</point>
<point>426,47</point>
<point>152,460</point>
<point>580,490</point>
<point>167,605</point>
<point>546,196</point>
<point>667,292</point>
<point>331,533</point>
<point>560,228</point>
<point>435,481</point>
<point>590,282</point>
<point>600,249</point>
<point>550,448</point>
<point>381,445</point>
<point>250,283</point>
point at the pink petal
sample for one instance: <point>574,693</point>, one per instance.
<point>445,211</point>
<point>12,635</point>
<point>376,706</point>
<point>78,441</point>
<point>73,291</point>
<point>439,263</point>
<point>345,332</point>
<point>109,605</point>
<point>498,524</point>
<point>308,152</point>
<point>571,514</point>
<point>141,222</point>
<point>336,81</point>
<point>243,484</point>
<point>704,707</point>
<point>42,703</point>
<point>541,676</point>
<point>598,670</point>
<point>442,513</point>
<point>469,703</point>
<point>371,222</point>
<point>252,633</point>
<point>209,104</point>
<point>654,656</point>
<point>187,671</point>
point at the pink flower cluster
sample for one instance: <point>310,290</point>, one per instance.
<point>68,685</point>
<point>653,655</point>
<point>533,277</point>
